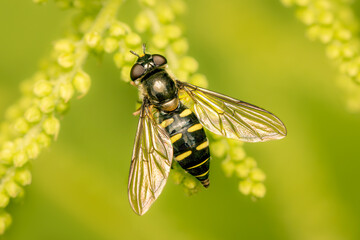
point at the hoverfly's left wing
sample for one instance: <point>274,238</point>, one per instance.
<point>150,163</point>
<point>233,118</point>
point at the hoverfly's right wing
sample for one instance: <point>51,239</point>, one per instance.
<point>233,118</point>
<point>150,163</point>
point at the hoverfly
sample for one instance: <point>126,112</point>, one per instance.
<point>177,132</point>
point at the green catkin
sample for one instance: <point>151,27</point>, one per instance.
<point>32,123</point>
<point>333,23</point>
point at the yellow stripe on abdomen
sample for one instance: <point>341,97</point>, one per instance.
<point>202,145</point>
<point>167,122</point>
<point>185,113</point>
<point>201,175</point>
<point>176,137</point>
<point>195,128</point>
<point>199,164</point>
<point>183,155</point>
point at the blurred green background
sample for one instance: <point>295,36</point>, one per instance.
<point>252,50</point>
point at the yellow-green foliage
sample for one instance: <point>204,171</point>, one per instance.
<point>333,23</point>
<point>33,122</point>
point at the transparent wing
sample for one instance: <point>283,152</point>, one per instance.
<point>233,118</point>
<point>150,163</point>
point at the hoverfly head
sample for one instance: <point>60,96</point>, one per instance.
<point>145,63</point>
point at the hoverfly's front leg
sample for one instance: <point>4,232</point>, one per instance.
<point>137,112</point>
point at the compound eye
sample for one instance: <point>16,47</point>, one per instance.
<point>136,71</point>
<point>159,60</point>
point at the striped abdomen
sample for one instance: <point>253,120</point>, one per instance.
<point>189,141</point>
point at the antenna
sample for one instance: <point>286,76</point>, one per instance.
<point>134,53</point>
<point>144,47</point>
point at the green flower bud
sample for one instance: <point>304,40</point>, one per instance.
<point>119,59</point>
<point>245,187</point>
<point>326,18</point>
<point>189,182</point>
<point>160,41</point>
<point>23,177</point>
<point>3,170</point>
<point>173,31</point>
<point>4,200</point>
<point>62,107</point>
<point>333,51</point>
<point>343,34</point>
<point>313,32</point>
<point>228,168</point>
<point>242,171</point>
<point>6,156</point>
<point>51,126</point>
<point>352,69</point>
<point>180,46</point>
<point>21,125</point>
<point>47,104</point>
<point>12,189</point>
<point>142,22</point>
<point>42,88</point>
<point>182,74</point>
<point>92,39</point>
<point>9,145</point>
<point>258,190</point>
<point>257,175</point>
<point>110,44</point>
<point>118,29</point>
<point>129,58</point>
<point>33,150</point>
<point>64,46</point>
<point>199,80</point>
<point>20,159</point>
<point>189,64</point>
<point>178,177</point>
<point>5,221</point>
<point>133,40</point>
<point>323,5</point>
<point>19,143</point>
<point>125,73</point>
<point>43,140</point>
<point>349,51</point>
<point>7,152</point>
<point>178,6</point>
<point>66,91</point>
<point>218,149</point>
<point>250,162</point>
<point>306,15</point>
<point>32,115</point>
<point>326,35</point>
<point>66,60</point>
<point>165,14</point>
<point>82,82</point>
<point>86,24</point>
<point>237,153</point>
